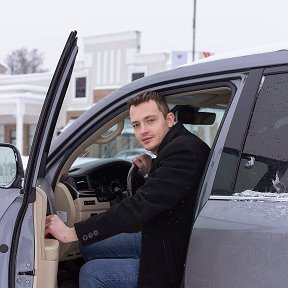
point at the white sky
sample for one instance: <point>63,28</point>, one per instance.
<point>165,25</point>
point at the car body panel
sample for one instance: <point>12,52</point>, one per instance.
<point>241,239</point>
<point>10,204</point>
<point>8,196</point>
<point>241,243</point>
<point>7,224</point>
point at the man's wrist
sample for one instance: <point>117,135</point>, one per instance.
<point>70,236</point>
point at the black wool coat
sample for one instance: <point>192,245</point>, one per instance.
<point>163,207</point>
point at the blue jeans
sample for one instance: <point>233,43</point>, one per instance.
<point>111,263</point>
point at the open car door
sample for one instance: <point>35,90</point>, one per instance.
<point>27,259</point>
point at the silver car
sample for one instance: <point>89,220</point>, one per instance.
<point>238,106</point>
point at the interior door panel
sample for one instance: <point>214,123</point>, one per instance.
<point>46,250</point>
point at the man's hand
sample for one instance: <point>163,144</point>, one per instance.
<point>56,227</point>
<point>143,162</point>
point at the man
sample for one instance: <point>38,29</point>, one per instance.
<point>162,208</point>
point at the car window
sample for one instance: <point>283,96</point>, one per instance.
<point>124,146</point>
<point>200,105</point>
<point>263,165</point>
<point>207,133</point>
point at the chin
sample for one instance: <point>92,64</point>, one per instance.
<point>147,147</point>
<point>150,146</point>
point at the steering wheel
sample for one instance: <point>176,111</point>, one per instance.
<point>134,180</point>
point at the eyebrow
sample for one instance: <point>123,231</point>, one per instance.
<point>145,118</point>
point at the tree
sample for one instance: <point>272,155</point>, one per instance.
<point>22,61</point>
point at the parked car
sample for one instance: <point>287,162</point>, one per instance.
<point>238,106</point>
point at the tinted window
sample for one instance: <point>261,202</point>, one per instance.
<point>263,166</point>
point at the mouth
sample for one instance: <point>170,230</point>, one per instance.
<point>146,139</point>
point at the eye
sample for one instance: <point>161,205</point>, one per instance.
<point>135,125</point>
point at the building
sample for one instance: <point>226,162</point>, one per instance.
<point>109,61</point>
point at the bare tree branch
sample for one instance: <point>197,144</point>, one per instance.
<point>22,61</point>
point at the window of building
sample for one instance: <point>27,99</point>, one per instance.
<point>80,87</point>
<point>13,137</point>
<point>138,75</point>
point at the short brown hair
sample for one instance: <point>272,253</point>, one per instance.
<point>147,96</point>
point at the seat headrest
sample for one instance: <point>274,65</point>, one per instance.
<point>190,115</point>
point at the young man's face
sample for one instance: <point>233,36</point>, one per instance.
<point>150,125</point>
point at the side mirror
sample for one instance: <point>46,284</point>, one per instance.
<point>11,168</point>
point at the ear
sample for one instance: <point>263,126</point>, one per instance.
<point>170,118</point>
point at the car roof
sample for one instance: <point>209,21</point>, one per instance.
<point>245,52</point>
<point>216,65</point>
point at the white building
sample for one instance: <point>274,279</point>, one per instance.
<point>109,61</point>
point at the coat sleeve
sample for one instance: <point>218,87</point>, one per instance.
<point>180,166</point>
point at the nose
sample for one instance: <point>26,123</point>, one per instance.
<point>143,129</point>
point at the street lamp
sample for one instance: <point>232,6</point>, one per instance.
<point>194,31</point>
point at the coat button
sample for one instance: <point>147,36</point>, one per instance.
<point>85,237</point>
<point>90,235</point>
<point>96,233</point>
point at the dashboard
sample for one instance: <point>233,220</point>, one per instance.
<point>104,179</point>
